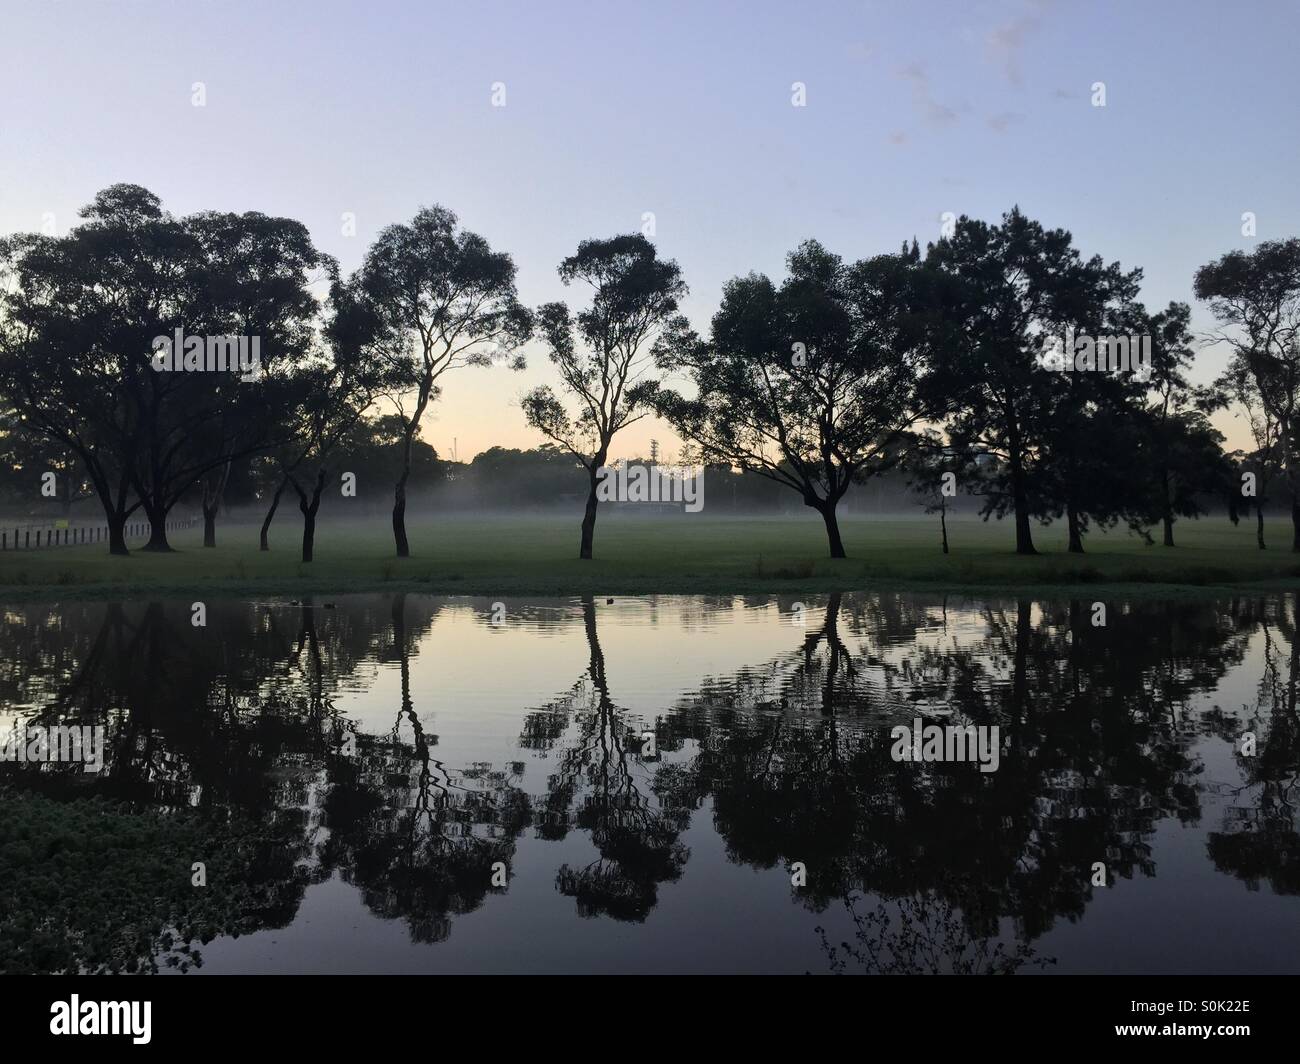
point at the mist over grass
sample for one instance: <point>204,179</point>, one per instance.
<point>482,554</point>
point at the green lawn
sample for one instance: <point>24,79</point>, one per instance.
<point>686,553</point>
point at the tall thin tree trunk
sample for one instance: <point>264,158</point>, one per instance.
<point>399,514</point>
<point>943,524</point>
<point>1259,523</point>
<point>1167,518</point>
<point>1020,500</point>
<point>399,493</point>
<point>264,540</point>
<point>589,517</point>
<point>212,496</point>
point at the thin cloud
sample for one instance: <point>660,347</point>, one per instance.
<point>930,109</point>
<point>1007,42</point>
<point>1002,122</point>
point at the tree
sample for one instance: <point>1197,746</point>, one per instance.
<point>816,383</point>
<point>1255,297</point>
<point>1186,450</point>
<point>1007,290</point>
<point>933,471</point>
<point>1091,434</point>
<point>337,391</point>
<point>612,376</point>
<point>251,279</point>
<point>1259,468</point>
<point>437,298</point>
<point>78,323</point>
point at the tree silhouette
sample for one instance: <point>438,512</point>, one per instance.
<point>1255,296</point>
<point>611,378</point>
<point>814,384</point>
<point>430,298</point>
<point>77,332</point>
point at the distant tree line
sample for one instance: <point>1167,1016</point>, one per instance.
<point>995,365</point>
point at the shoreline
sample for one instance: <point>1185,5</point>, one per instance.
<point>612,586</point>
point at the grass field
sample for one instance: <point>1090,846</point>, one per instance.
<point>687,553</point>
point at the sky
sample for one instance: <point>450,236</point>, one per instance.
<point>317,110</point>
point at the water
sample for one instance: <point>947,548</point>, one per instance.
<point>646,776</point>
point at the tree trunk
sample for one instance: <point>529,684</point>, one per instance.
<point>832,529</point>
<point>1259,524</point>
<point>308,535</point>
<point>399,516</point>
<point>399,492</point>
<point>211,503</point>
<point>589,517</point>
<point>117,534</point>
<point>157,528</point>
<point>1168,516</point>
<point>1076,533</point>
<point>309,509</point>
<point>1020,499</point>
<point>943,524</point>
<point>264,542</point>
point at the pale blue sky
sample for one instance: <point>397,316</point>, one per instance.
<point>682,109</point>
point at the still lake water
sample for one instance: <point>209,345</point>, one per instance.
<point>646,773</point>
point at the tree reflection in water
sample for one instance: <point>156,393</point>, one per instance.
<point>603,786</point>
<point>232,735</point>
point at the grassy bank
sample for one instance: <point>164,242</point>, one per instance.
<point>687,553</point>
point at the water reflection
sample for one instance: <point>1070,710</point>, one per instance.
<point>287,745</point>
<point>605,785</point>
